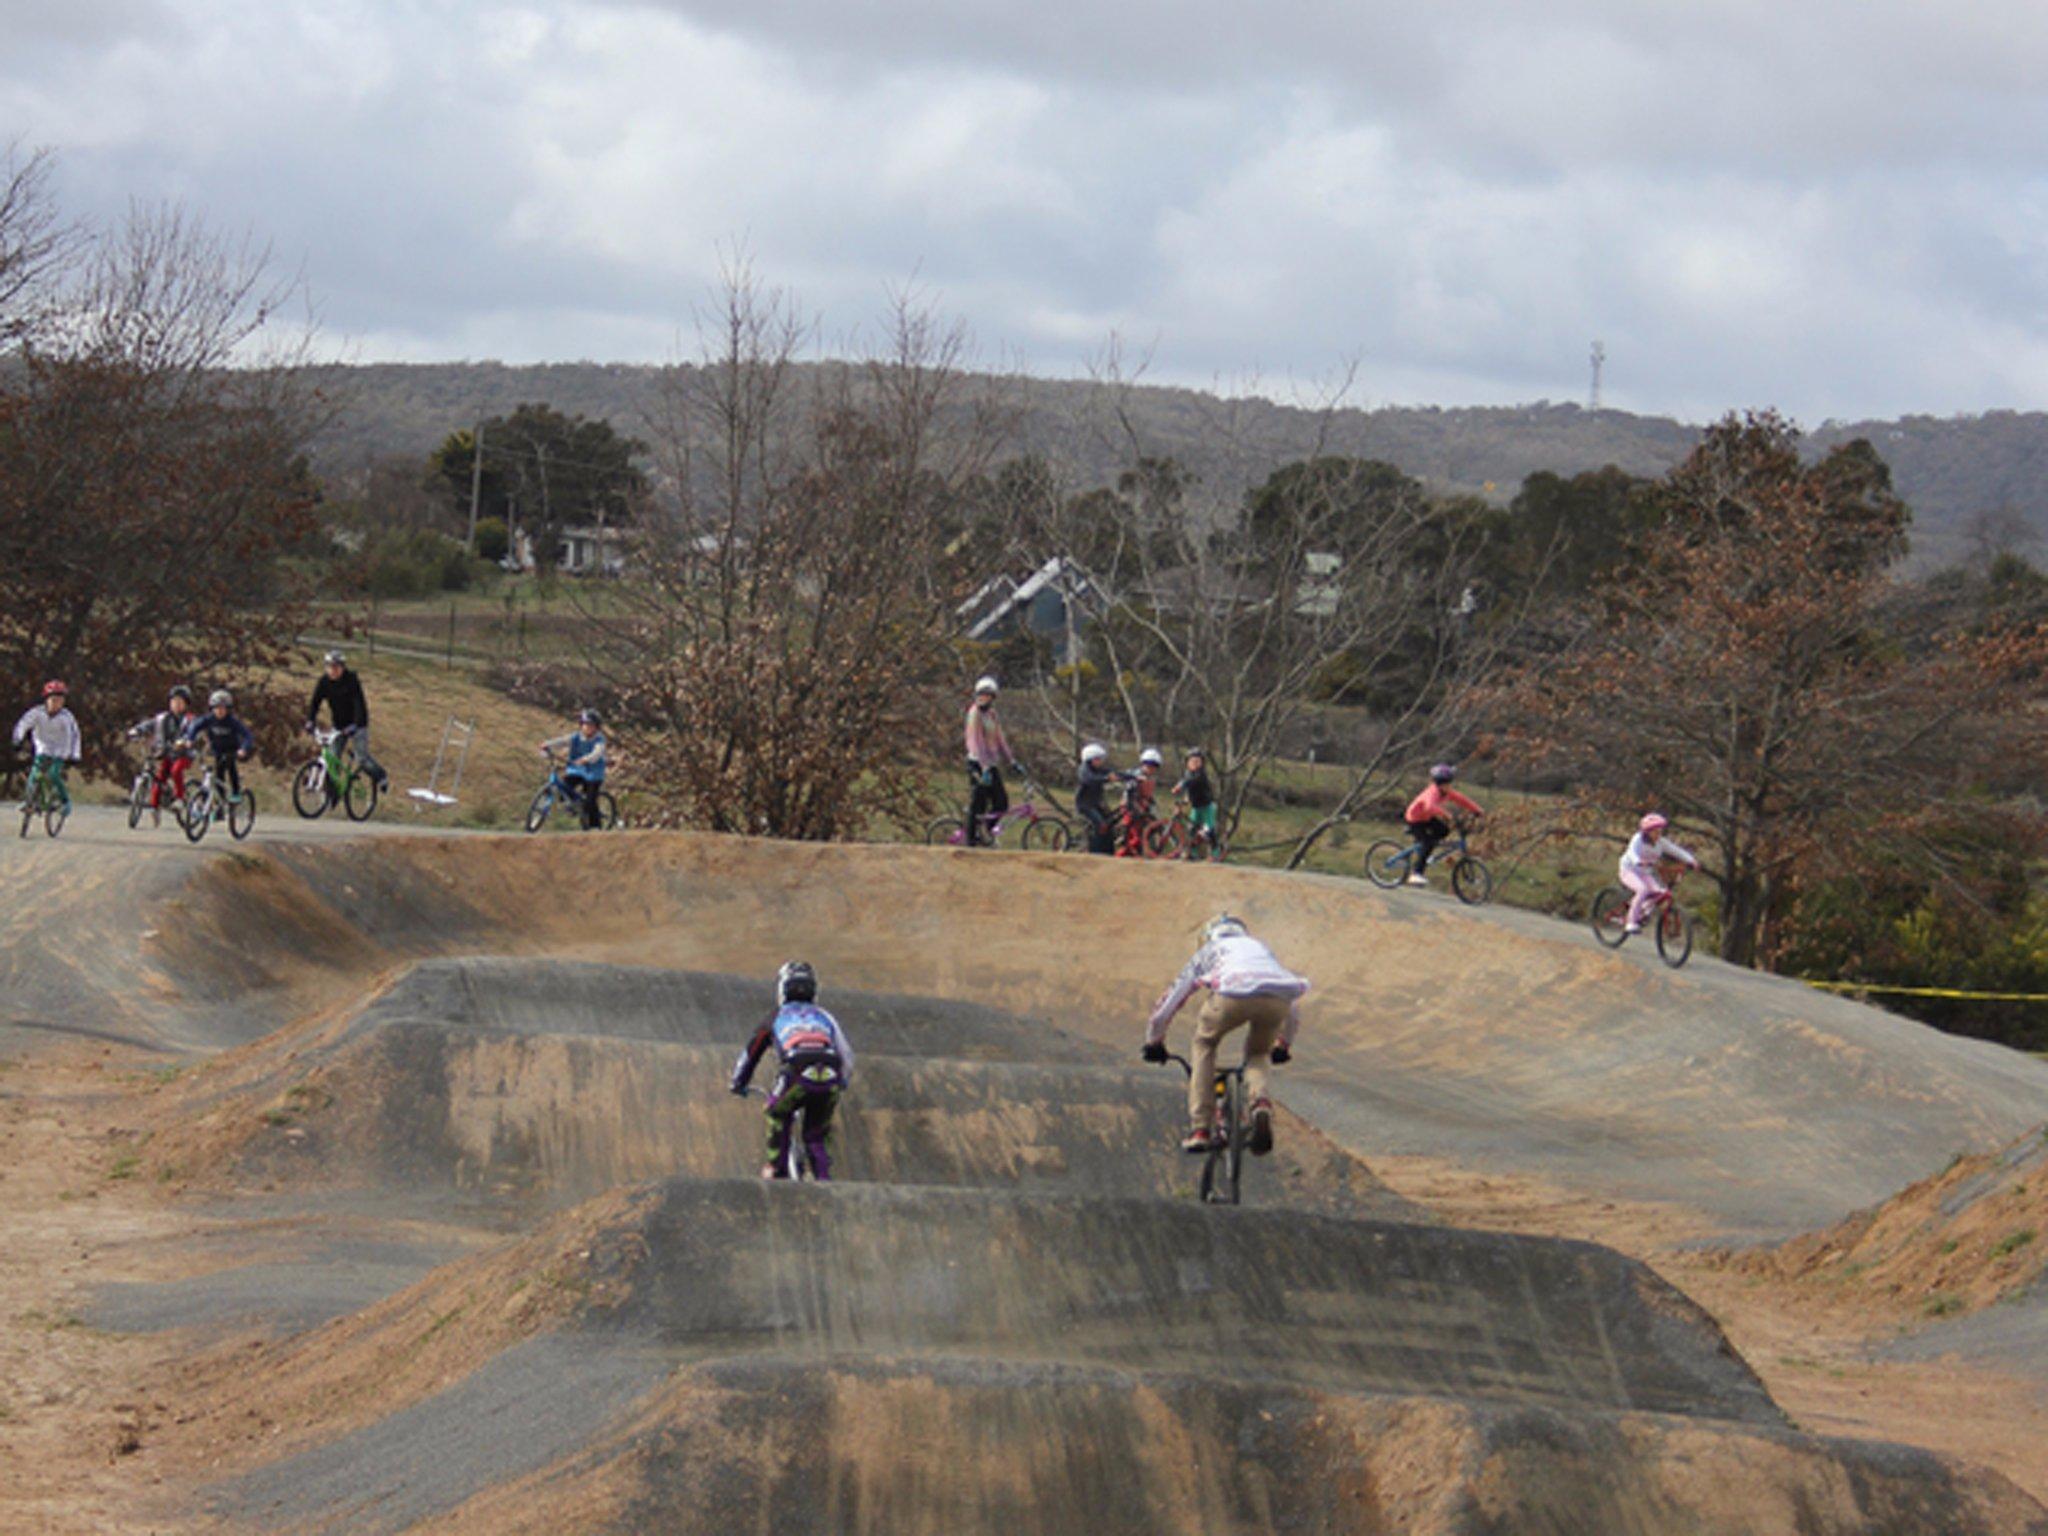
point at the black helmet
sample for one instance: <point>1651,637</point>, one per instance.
<point>180,691</point>
<point>1443,773</point>
<point>796,982</point>
<point>588,717</point>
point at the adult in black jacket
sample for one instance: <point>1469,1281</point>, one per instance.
<point>342,692</point>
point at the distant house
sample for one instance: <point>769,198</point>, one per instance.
<point>1052,601</point>
<point>578,551</point>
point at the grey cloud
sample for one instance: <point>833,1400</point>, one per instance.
<point>1836,207</point>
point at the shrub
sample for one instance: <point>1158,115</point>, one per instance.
<point>493,539</point>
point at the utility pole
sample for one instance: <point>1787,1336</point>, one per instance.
<point>476,482</point>
<point>1599,361</point>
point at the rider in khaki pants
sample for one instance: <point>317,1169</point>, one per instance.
<point>1247,989</point>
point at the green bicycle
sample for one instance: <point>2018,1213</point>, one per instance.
<point>44,795</point>
<point>335,775</point>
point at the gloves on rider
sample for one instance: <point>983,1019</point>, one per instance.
<point>1154,1051</point>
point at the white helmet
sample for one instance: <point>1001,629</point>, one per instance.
<point>220,698</point>
<point>988,685</point>
<point>1151,755</point>
<point>1094,752</point>
<point>1222,926</point>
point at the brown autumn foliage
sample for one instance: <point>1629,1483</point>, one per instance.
<point>1751,671</point>
<point>147,488</point>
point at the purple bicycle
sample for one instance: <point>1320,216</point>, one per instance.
<point>1043,831</point>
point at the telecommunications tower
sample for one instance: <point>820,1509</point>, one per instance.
<point>1599,360</point>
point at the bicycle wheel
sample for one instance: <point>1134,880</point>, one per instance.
<point>543,803</point>
<point>198,813</point>
<point>1160,842</point>
<point>1472,882</point>
<point>359,796</point>
<point>607,811</point>
<point>242,815</point>
<point>309,790</point>
<point>138,800</point>
<point>1047,834</point>
<point>1674,935</point>
<point>1610,916</point>
<point>945,829</point>
<point>1225,1162</point>
<point>55,815</point>
<point>1387,863</point>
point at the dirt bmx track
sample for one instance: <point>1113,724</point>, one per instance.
<point>445,1224</point>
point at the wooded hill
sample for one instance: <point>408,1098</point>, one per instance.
<point>1946,468</point>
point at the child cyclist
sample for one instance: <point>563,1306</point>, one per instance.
<point>1428,817</point>
<point>221,732</point>
<point>168,736</point>
<point>1639,866</point>
<point>815,1067</point>
<point>1089,797</point>
<point>585,749</point>
<point>1247,987</point>
<point>988,753</point>
<point>1194,787</point>
<point>52,730</point>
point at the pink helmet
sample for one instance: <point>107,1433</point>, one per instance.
<point>54,685</point>
<point>1653,823</point>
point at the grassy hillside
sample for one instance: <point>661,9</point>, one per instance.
<point>1947,468</point>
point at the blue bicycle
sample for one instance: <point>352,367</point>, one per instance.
<point>559,791</point>
<point>1389,864</point>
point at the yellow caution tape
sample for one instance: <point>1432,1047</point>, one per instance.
<point>1980,997</point>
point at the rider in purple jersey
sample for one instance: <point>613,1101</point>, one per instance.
<point>815,1067</point>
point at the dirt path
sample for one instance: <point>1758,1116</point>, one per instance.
<point>74,1426</point>
<point>1815,1354</point>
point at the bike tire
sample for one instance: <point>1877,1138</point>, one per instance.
<point>1610,912</point>
<point>1047,834</point>
<point>55,816</point>
<point>1387,864</point>
<point>543,804</point>
<point>1224,1164</point>
<point>138,801</point>
<point>944,830</point>
<point>361,787</point>
<point>198,814</point>
<point>309,784</point>
<point>1472,882</point>
<point>1234,1117</point>
<point>607,812</point>
<point>1674,935</point>
<point>242,815</point>
<point>1159,841</point>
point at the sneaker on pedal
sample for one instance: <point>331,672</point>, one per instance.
<point>770,1171</point>
<point>1197,1140</point>
<point>1418,878</point>
<point>1262,1127</point>
<point>1631,928</point>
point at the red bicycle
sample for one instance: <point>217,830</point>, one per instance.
<point>1671,923</point>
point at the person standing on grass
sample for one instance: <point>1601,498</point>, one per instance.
<point>988,753</point>
<point>342,692</point>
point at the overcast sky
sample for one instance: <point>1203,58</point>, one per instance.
<point>1836,206</point>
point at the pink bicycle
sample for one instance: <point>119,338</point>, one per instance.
<point>1043,831</point>
<point>1666,918</point>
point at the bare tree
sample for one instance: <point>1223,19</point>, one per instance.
<point>35,242</point>
<point>147,490</point>
<point>790,640</point>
